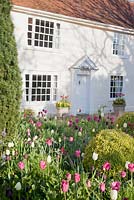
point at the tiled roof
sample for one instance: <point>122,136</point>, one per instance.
<point>114,12</point>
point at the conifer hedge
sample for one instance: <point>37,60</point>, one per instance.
<point>10,77</point>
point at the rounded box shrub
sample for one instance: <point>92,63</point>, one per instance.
<point>126,123</point>
<point>113,146</point>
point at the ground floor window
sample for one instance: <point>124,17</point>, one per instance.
<point>116,86</point>
<point>41,87</point>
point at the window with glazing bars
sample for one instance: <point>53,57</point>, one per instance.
<point>116,86</point>
<point>43,33</point>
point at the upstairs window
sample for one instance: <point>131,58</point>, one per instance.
<point>116,86</point>
<point>41,33</point>
<point>119,44</point>
<point>40,87</point>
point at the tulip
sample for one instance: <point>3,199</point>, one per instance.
<point>126,165</point>
<point>48,159</point>
<point>76,177</point>
<point>42,164</point>
<point>10,144</point>
<point>71,139</point>
<point>18,186</point>
<point>77,153</point>
<point>123,174</point>
<point>7,152</point>
<point>68,175</point>
<point>94,156</point>
<point>113,194</point>
<point>64,185</point>
<point>21,165</point>
<point>38,124</point>
<point>131,167</point>
<point>106,166</point>
<point>49,142</point>
<point>88,183</point>
<point>102,187</point>
<point>125,125</point>
<point>115,185</point>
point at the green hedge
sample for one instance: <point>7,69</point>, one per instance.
<point>10,77</point>
<point>111,145</point>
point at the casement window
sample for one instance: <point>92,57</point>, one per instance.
<point>43,33</point>
<point>119,44</point>
<point>116,86</point>
<point>41,87</point>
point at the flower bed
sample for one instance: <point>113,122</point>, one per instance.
<point>45,161</point>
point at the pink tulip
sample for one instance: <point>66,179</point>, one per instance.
<point>38,124</point>
<point>77,153</point>
<point>64,185</point>
<point>21,165</point>
<point>115,185</point>
<point>89,118</point>
<point>102,187</point>
<point>28,132</point>
<point>88,183</point>
<point>42,164</point>
<point>76,120</point>
<point>131,167</point>
<point>106,166</point>
<point>49,142</point>
<point>68,175</point>
<point>71,139</point>
<point>76,177</point>
<point>123,174</point>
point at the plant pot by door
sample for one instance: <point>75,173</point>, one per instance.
<point>62,111</point>
<point>119,109</point>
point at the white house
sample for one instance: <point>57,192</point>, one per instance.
<point>80,48</point>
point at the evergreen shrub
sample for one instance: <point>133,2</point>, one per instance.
<point>10,77</point>
<point>112,146</point>
<point>126,123</point>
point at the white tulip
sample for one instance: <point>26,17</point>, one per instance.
<point>35,137</point>
<point>125,125</point>
<point>7,152</point>
<point>29,139</point>
<point>10,144</point>
<point>13,153</point>
<point>48,159</point>
<point>113,194</point>
<point>93,130</point>
<point>52,131</point>
<point>95,156</point>
<point>79,134</point>
<point>32,144</point>
<point>18,186</point>
<point>102,114</point>
<point>127,163</point>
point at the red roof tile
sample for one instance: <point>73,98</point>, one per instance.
<point>115,12</point>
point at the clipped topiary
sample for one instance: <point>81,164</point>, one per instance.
<point>10,77</point>
<point>126,123</point>
<point>112,146</point>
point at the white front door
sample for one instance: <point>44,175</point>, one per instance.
<point>82,93</point>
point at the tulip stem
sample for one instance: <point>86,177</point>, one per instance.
<point>64,195</point>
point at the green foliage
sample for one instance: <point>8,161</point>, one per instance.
<point>10,78</point>
<point>113,146</point>
<point>29,112</point>
<point>126,123</point>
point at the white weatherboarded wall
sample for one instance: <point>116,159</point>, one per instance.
<point>76,41</point>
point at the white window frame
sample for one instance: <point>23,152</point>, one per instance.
<point>43,40</point>
<point>53,88</point>
<point>119,42</point>
<point>117,86</point>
